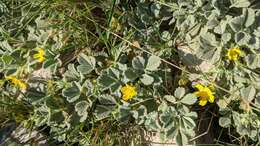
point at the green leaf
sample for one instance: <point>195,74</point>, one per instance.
<point>248,93</point>
<point>179,92</point>
<point>7,59</point>
<point>153,63</point>
<point>224,122</point>
<point>138,63</point>
<point>170,98</point>
<point>189,99</point>
<point>81,109</point>
<point>147,80</point>
<point>71,93</point>
<point>87,64</point>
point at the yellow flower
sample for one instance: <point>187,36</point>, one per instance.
<point>204,94</point>
<point>39,55</point>
<point>128,92</point>
<point>17,82</point>
<point>234,53</point>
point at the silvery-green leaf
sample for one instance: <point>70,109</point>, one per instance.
<point>171,133</point>
<point>221,28</point>
<point>257,31</point>
<point>208,40</point>
<point>222,103</point>
<point>71,93</point>
<point>106,99</point>
<point>250,19</point>
<point>155,8</point>
<point>166,36</point>
<point>102,111</point>
<point>124,114</point>
<point>224,122</point>
<point>212,23</point>
<point>81,109</point>
<point>254,42</point>
<point>242,38</point>
<point>188,122</point>
<point>253,61</point>
<point>170,98</point>
<point>221,6</point>
<point>179,92</point>
<point>257,99</point>
<point>6,46</point>
<point>87,64</point>
<point>167,121</point>
<point>248,93</point>
<point>55,116</point>
<point>240,3</point>
<point>189,99</point>
<point>181,139</point>
<point>151,122</point>
<point>153,63</point>
<point>72,74</point>
<point>131,74</point>
<point>109,79</point>
<point>140,114</point>
<point>172,21</point>
<point>195,30</point>
<point>226,37</point>
<point>193,115</point>
<point>237,23</point>
<point>253,134</point>
<point>138,63</point>
<point>163,107</point>
<point>147,79</point>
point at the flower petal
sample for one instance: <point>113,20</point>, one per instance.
<point>199,87</point>
<point>203,102</point>
<point>211,98</point>
<point>197,93</point>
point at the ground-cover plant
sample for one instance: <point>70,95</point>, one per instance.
<point>100,72</point>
